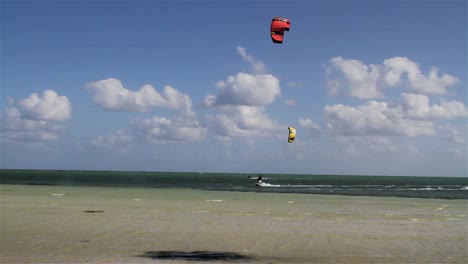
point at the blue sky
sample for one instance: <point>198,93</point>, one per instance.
<point>372,87</point>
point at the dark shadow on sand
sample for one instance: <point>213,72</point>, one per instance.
<point>93,211</point>
<point>196,255</point>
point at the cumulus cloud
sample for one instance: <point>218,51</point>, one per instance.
<point>110,94</point>
<point>245,89</point>
<point>368,81</point>
<point>417,106</point>
<point>48,107</point>
<point>242,121</point>
<point>374,118</point>
<point>14,127</point>
<point>362,79</point>
<point>225,126</point>
<point>35,117</point>
<point>257,66</point>
<point>240,102</point>
<point>163,130</point>
<point>395,68</point>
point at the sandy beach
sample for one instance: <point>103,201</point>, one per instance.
<point>64,224</point>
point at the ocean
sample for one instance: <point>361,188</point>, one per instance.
<point>356,185</point>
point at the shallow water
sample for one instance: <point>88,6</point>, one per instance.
<point>51,224</point>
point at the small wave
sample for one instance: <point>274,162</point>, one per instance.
<point>307,186</point>
<point>374,187</point>
<point>423,189</point>
<point>435,189</point>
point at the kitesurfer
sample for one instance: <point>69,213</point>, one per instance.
<point>259,179</point>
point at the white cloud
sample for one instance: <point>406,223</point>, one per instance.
<point>163,130</point>
<point>374,118</point>
<point>242,121</point>
<point>14,127</point>
<point>253,118</point>
<point>368,81</point>
<point>245,89</point>
<point>49,107</point>
<point>35,118</point>
<point>362,79</point>
<point>240,103</point>
<point>417,106</point>
<point>432,84</point>
<point>112,95</point>
<point>258,66</point>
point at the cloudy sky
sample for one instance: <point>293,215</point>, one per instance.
<point>376,88</point>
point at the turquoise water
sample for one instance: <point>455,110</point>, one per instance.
<point>395,186</point>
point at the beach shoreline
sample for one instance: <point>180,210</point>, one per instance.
<point>67,224</point>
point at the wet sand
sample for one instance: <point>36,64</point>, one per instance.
<point>57,224</point>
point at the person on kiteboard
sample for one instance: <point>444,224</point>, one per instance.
<point>259,179</point>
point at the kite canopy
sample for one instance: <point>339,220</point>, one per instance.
<point>292,134</point>
<point>278,26</point>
